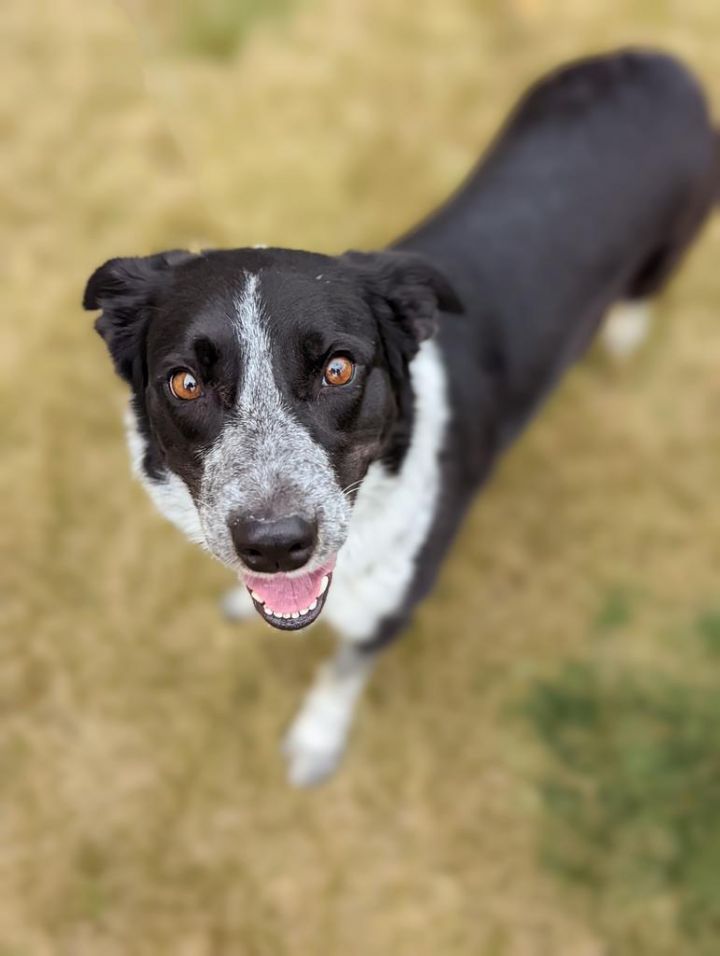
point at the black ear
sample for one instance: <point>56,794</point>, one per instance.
<point>412,286</point>
<point>125,290</point>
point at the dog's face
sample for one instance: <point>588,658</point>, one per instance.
<point>265,382</point>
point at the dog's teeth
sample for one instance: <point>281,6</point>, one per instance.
<point>256,597</point>
<point>313,605</point>
<point>323,584</point>
<point>269,611</point>
<point>295,615</point>
<point>304,610</point>
<point>287,616</point>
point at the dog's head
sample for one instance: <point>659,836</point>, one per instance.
<point>264,384</point>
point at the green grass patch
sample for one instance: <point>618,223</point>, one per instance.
<point>217,28</point>
<point>708,627</point>
<point>632,803</point>
<point>615,612</point>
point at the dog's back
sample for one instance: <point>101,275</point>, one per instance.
<point>590,195</point>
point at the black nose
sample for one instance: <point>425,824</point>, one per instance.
<point>280,544</point>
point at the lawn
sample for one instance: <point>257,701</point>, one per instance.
<point>535,769</point>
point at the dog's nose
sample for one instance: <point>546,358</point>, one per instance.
<point>279,544</point>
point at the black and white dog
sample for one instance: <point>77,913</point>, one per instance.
<point>320,424</point>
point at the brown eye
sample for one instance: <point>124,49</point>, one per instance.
<point>184,385</point>
<point>338,371</point>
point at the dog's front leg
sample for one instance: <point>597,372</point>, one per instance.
<point>236,604</point>
<point>316,740</point>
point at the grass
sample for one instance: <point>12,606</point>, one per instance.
<point>615,611</point>
<point>708,626</point>
<point>215,29</point>
<point>631,799</point>
<point>143,808</point>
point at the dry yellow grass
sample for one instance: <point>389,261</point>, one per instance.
<point>143,810</point>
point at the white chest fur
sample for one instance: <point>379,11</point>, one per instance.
<point>392,515</point>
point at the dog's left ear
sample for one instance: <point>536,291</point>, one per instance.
<point>125,290</point>
<point>412,286</point>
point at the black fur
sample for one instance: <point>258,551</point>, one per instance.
<point>125,289</point>
<point>173,309</point>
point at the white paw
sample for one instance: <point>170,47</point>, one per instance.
<point>236,604</point>
<point>312,747</point>
<point>626,328</point>
<point>308,768</point>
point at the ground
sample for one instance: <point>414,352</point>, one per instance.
<point>534,770</point>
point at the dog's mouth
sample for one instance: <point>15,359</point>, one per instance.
<point>290,603</point>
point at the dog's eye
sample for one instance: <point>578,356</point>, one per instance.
<point>338,371</point>
<point>184,385</point>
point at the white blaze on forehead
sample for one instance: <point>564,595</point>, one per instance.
<point>259,395</point>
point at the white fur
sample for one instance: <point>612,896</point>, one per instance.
<point>626,328</point>
<point>170,494</point>
<point>392,514</point>
<point>236,604</point>
<point>317,737</point>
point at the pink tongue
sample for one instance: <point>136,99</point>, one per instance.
<point>288,595</point>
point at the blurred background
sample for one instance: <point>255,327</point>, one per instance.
<point>537,775</point>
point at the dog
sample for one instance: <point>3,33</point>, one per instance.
<point>321,423</point>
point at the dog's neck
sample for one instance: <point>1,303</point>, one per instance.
<point>393,512</point>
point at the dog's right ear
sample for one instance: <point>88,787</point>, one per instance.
<point>125,290</point>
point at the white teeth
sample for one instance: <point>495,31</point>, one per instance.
<point>256,597</point>
<point>304,610</point>
<point>278,614</point>
<point>323,584</point>
<point>313,605</point>
<point>295,615</point>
